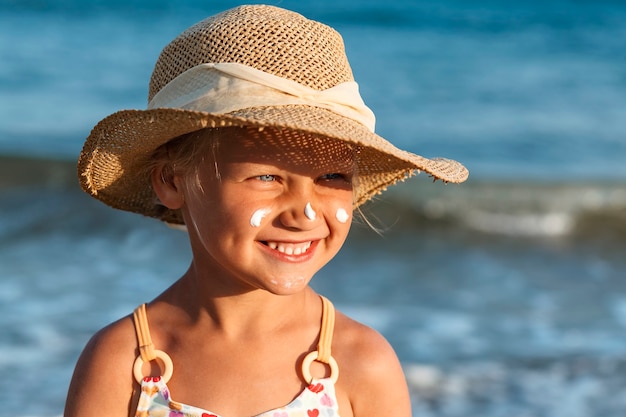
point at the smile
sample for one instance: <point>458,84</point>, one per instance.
<point>290,248</point>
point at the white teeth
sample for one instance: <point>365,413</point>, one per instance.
<point>289,248</point>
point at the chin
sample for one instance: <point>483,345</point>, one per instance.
<point>289,285</point>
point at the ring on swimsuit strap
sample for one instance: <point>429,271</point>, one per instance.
<point>306,367</point>
<point>167,365</point>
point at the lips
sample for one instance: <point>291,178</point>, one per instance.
<point>289,248</point>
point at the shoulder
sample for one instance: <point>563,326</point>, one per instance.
<point>370,372</point>
<point>103,378</point>
<point>363,349</point>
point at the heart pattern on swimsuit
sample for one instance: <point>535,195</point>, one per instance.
<point>317,388</point>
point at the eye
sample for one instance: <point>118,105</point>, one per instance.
<point>266,178</point>
<point>335,176</point>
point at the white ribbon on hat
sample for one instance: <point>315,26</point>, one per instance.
<point>225,87</point>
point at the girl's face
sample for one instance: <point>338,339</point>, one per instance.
<point>269,212</point>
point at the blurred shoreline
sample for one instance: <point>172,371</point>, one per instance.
<point>592,210</point>
<point>21,171</point>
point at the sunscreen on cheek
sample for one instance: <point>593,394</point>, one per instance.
<point>257,217</point>
<point>342,215</point>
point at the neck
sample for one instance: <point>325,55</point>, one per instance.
<point>241,313</point>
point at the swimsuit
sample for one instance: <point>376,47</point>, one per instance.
<point>316,400</point>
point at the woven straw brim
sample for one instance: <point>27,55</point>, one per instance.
<point>112,163</point>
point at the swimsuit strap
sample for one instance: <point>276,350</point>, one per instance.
<point>147,352</point>
<point>322,354</point>
<point>146,347</point>
<point>326,332</point>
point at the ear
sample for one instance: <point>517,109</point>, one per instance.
<point>167,188</point>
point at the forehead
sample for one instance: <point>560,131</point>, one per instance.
<point>287,148</point>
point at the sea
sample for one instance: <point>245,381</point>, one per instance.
<point>504,296</point>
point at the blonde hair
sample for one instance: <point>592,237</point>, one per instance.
<point>185,154</point>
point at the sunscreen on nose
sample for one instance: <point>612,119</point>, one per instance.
<point>309,212</point>
<point>342,215</point>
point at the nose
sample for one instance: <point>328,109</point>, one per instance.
<point>300,212</point>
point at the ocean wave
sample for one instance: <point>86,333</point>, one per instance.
<point>526,209</point>
<point>508,208</point>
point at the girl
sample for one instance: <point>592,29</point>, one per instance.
<point>257,142</point>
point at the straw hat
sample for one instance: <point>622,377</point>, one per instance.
<point>251,66</point>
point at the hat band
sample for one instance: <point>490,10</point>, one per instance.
<point>225,87</point>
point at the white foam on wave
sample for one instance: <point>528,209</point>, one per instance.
<point>568,387</point>
<point>532,225</point>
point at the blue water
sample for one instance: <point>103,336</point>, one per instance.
<point>529,89</point>
<point>504,297</point>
